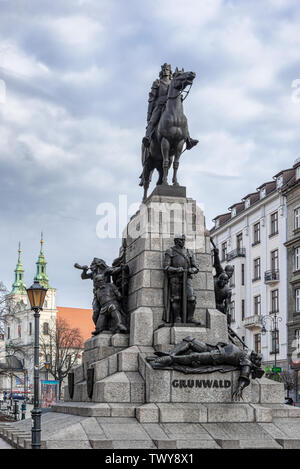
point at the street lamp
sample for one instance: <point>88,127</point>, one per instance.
<point>36,294</point>
<point>274,319</point>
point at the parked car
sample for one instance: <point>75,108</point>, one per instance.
<point>289,401</point>
<point>17,396</point>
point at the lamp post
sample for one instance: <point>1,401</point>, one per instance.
<point>274,319</point>
<point>36,294</point>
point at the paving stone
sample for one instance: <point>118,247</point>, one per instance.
<point>121,431</point>
<point>92,428</point>
<point>259,444</point>
<point>131,444</point>
<point>185,431</point>
<point>155,431</point>
<point>197,444</point>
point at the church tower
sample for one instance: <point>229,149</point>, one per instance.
<point>19,286</point>
<point>41,274</point>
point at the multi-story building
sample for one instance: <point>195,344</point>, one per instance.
<point>19,327</point>
<point>292,194</point>
<point>251,236</point>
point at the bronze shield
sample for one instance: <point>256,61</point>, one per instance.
<point>90,382</point>
<point>71,384</point>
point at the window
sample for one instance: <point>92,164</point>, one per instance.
<point>274,260</point>
<point>243,274</point>
<point>257,343</point>
<point>8,332</point>
<point>275,341</point>
<point>243,310</point>
<point>263,193</point>
<point>247,203</point>
<point>298,300</point>
<point>257,305</point>
<point>274,223</point>
<point>19,331</point>
<point>298,172</point>
<point>239,242</point>
<point>256,233</point>
<point>30,328</point>
<point>256,269</point>
<point>274,301</point>
<point>297,259</point>
<point>45,328</point>
<point>224,251</point>
<point>297,218</point>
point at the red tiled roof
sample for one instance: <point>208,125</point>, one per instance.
<point>78,317</point>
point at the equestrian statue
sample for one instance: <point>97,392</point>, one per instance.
<point>167,128</point>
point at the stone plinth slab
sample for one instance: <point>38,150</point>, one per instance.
<point>141,330</point>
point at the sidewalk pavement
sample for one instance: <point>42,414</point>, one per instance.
<point>4,445</point>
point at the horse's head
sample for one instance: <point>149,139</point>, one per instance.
<point>182,79</point>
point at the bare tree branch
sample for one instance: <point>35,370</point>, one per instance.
<point>61,345</point>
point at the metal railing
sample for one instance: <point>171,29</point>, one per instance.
<point>272,275</point>
<point>239,252</point>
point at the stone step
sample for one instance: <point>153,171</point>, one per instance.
<point>92,409</point>
<point>120,387</point>
<point>289,443</point>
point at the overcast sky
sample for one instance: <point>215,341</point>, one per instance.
<point>75,77</point>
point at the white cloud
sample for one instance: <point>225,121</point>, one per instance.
<point>78,31</point>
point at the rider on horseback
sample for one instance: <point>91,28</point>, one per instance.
<point>157,100</point>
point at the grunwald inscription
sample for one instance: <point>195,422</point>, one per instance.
<point>201,383</point>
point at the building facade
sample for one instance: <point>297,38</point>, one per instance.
<point>18,340</point>
<point>292,194</point>
<point>251,236</point>
<point>19,326</point>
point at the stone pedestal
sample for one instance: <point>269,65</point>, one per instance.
<point>149,234</point>
<point>124,383</point>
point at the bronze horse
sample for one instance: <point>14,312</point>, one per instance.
<point>169,136</point>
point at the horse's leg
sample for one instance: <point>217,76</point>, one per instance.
<point>178,153</point>
<point>146,179</point>
<point>165,150</point>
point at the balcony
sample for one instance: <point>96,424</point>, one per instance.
<point>239,252</point>
<point>253,322</point>
<point>272,276</point>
